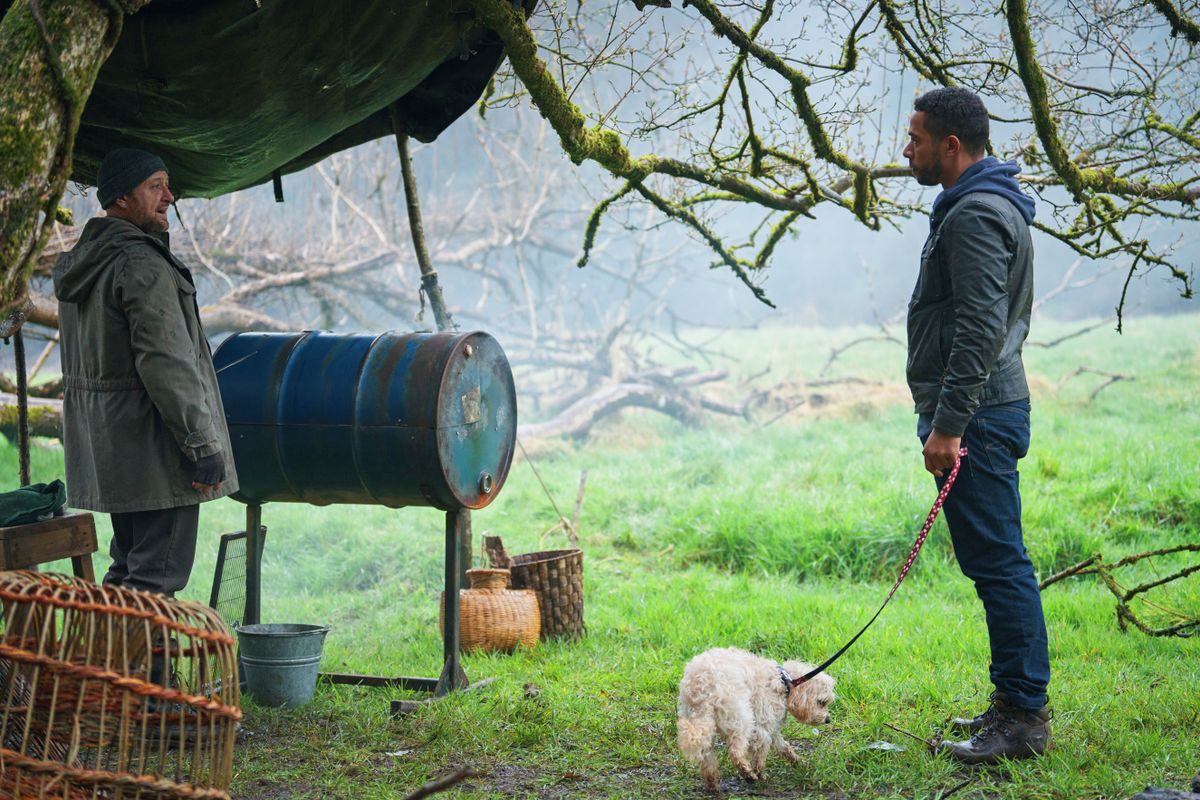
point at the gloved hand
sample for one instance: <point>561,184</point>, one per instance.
<point>208,471</point>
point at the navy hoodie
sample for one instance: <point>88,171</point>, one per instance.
<point>990,175</point>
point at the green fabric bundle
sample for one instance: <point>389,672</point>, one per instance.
<point>32,503</point>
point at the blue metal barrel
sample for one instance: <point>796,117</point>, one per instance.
<point>398,419</point>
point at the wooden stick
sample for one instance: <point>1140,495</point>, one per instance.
<point>573,532</point>
<point>925,742</point>
<point>441,784</point>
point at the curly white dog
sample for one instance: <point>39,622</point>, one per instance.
<point>745,699</point>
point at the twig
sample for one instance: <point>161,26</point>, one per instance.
<point>561,519</point>
<point>1067,337</point>
<point>51,343</point>
<point>1113,377</point>
<point>441,784</point>
<point>783,413</point>
<point>1069,571</point>
<point>925,742</point>
<point>962,785</point>
<point>837,351</point>
<point>573,532</point>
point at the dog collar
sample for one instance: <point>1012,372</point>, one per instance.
<point>787,679</point>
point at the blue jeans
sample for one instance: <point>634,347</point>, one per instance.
<point>983,511</point>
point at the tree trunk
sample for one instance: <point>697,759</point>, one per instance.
<point>50,54</point>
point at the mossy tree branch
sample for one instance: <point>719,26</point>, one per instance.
<point>605,147</point>
<point>1181,25</point>
<point>50,54</point>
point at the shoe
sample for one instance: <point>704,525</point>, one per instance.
<point>978,723</point>
<point>1011,733</point>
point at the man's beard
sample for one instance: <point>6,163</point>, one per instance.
<point>151,224</point>
<point>930,176</point>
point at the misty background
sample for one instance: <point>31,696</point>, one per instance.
<point>505,211</point>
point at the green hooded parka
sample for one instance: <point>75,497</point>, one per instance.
<point>141,401</point>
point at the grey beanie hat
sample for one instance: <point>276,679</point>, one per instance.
<point>121,172</point>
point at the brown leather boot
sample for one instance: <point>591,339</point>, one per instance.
<point>981,721</point>
<point>1011,733</point>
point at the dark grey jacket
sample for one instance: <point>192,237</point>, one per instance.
<point>969,313</point>
<point>140,402</point>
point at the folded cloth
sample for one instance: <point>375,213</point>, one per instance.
<point>32,503</point>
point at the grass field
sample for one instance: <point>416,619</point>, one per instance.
<point>782,539</point>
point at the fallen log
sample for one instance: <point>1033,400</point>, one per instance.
<point>45,417</point>
<point>51,389</point>
<point>577,419</point>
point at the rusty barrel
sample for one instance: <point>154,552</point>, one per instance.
<point>396,419</point>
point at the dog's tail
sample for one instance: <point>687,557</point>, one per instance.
<point>695,736</point>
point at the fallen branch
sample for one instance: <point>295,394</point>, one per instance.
<point>838,351</point>
<point>45,417</point>
<point>577,420</point>
<point>1095,565</point>
<point>51,390</point>
<point>1113,377</point>
<point>1073,334</point>
<point>441,784</point>
<point>1075,569</point>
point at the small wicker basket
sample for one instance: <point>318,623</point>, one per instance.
<point>492,616</point>
<point>557,578</point>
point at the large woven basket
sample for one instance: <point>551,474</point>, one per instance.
<point>493,617</point>
<point>557,578</point>
<point>112,693</point>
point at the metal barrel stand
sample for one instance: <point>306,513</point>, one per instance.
<point>458,561</point>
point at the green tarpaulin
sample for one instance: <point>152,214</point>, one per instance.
<point>229,92</point>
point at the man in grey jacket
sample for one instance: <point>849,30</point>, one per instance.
<point>967,320</point>
<point>144,429</point>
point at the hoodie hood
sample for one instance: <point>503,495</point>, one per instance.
<point>104,239</point>
<point>989,175</point>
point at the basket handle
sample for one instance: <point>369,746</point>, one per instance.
<point>494,547</point>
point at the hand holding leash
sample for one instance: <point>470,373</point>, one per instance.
<point>941,452</point>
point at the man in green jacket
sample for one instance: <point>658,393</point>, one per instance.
<point>144,429</point>
<point>967,320</point>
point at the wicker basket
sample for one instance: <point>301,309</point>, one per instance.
<point>108,692</point>
<point>557,578</point>
<point>492,616</point>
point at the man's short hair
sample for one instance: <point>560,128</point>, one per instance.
<point>958,111</point>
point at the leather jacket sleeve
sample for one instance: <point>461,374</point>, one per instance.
<point>978,244</point>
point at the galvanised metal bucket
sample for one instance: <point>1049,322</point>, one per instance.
<point>281,661</point>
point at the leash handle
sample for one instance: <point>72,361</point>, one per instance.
<point>912,556</point>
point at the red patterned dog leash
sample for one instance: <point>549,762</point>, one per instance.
<point>912,556</point>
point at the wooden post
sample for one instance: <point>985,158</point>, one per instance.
<point>22,407</point>
<point>429,276</point>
